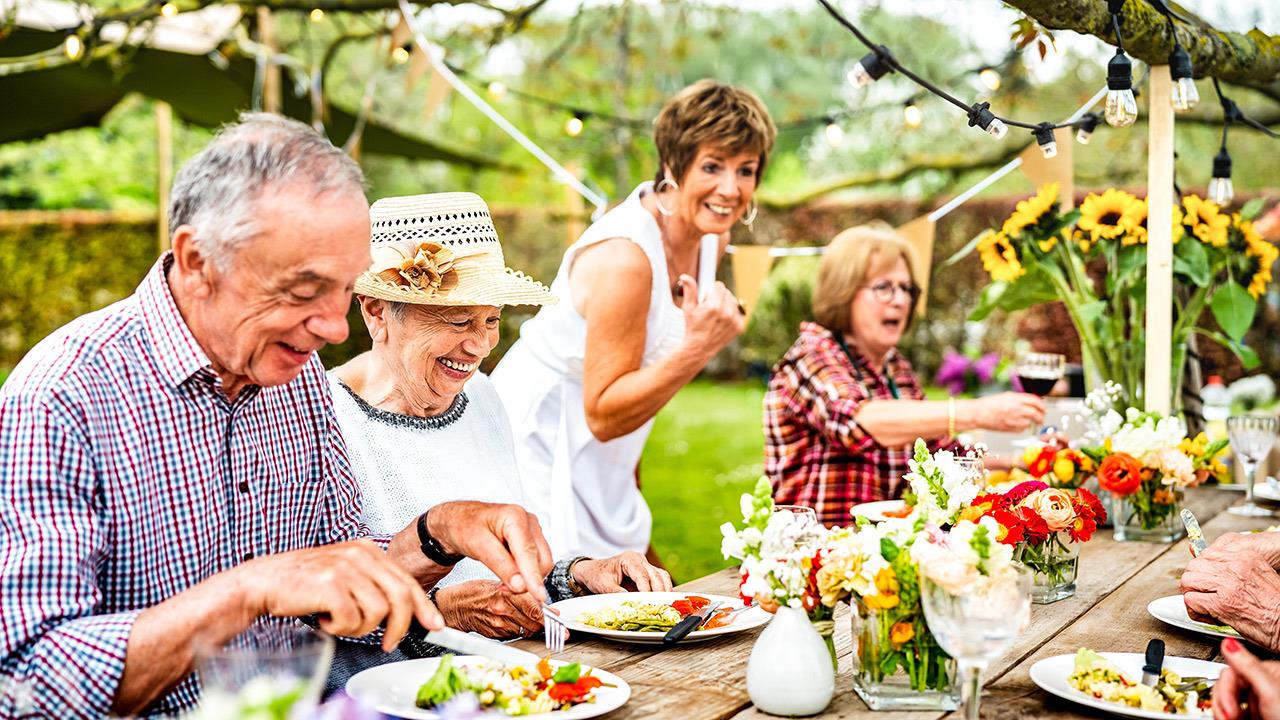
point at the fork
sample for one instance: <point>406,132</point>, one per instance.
<point>554,630</point>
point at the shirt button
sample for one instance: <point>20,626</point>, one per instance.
<point>247,557</point>
<point>244,486</point>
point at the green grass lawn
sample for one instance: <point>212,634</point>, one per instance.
<point>706,449</point>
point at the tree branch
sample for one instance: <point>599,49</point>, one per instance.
<point>1251,59</point>
<point>953,164</point>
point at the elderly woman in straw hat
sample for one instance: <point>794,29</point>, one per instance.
<point>422,425</point>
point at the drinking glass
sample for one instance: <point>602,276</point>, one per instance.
<point>973,468</point>
<point>978,626</point>
<point>1039,372</point>
<point>274,669</point>
<point>806,513</point>
<point>1251,438</point>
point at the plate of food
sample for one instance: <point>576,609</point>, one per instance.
<point>881,510</point>
<point>1173,610</point>
<point>421,688</point>
<point>1111,682</point>
<point>645,617</point>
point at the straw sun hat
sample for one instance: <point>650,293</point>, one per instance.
<point>442,249</point>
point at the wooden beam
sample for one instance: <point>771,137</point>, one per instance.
<point>164,171</point>
<point>1157,385</point>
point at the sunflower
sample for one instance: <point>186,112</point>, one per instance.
<point>1109,215</point>
<point>1263,254</point>
<point>1029,212</point>
<point>999,257</point>
<point>1082,239</point>
<point>1206,220</point>
<point>1138,233</point>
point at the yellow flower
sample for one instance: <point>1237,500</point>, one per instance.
<point>1031,211</point>
<point>886,597</point>
<point>1084,240</point>
<point>1138,235</point>
<point>843,572</point>
<point>999,257</point>
<point>1064,468</point>
<point>901,633</point>
<point>1206,220</point>
<point>1265,254</point>
<point>1110,215</point>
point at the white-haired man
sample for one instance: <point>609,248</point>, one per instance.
<point>171,471</point>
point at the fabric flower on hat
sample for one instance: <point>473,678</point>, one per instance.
<point>429,268</point>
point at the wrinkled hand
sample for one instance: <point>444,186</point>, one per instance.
<point>621,573</point>
<point>1246,679</point>
<point>506,538</point>
<point>713,322</point>
<point>1008,412</point>
<point>1238,587</point>
<point>352,586</point>
<point>486,607</point>
<point>1267,544</point>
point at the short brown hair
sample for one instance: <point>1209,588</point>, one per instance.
<point>708,112</point>
<point>850,258</point>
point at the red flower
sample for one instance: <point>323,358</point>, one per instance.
<point>1120,474</point>
<point>1012,524</point>
<point>1082,529</point>
<point>1020,491</point>
<point>1043,462</point>
<point>1034,529</point>
<point>1089,503</point>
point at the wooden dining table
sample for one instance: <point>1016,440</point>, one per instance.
<point>1108,613</point>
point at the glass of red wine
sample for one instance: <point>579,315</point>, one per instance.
<point>1038,372</point>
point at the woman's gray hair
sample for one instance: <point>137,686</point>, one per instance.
<point>216,190</point>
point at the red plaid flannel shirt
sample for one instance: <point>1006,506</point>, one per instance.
<point>815,452</point>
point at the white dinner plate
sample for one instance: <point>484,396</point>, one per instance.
<point>392,688</point>
<point>1173,610</point>
<point>571,612</point>
<point>1266,490</point>
<point>1051,675</point>
<point>876,511</point>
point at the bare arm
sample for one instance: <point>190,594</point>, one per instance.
<point>894,423</point>
<point>611,284</point>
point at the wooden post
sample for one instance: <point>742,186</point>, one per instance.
<point>1157,385</point>
<point>574,208</point>
<point>271,77</point>
<point>164,171</point>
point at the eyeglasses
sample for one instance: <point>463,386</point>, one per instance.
<point>884,291</point>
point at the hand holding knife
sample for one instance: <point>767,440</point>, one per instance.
<point>690,623</point>
<point>1194,534</point>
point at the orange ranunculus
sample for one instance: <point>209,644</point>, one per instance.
<point>901,634</point>
<point>1163,496</point>
<point>1120,474</point>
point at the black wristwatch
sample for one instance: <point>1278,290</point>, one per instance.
<point>432,548</point>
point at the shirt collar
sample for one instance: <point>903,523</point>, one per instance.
<point>177,353</point>
<point>858,357</point>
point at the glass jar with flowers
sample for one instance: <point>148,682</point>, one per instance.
<point>1046,526</point>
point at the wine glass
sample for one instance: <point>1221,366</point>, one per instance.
<point>1251,438</point>
<point>973,469</point>
<point>806,514</point>
<point>1039,372</point>
<point>977,626</point>
<point>273,666</point>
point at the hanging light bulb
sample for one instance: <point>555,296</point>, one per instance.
<point>400,55</point>
<point>1122,107</point>
<point>870,68</point>
<point>73,47</point>
<point>1045,139</point>
<point>168,9</point>
<point>497,90</point>
<point>1220,190</point>
<point>1184,95</point>
<point>573,127</point>
<point>317,15</point>
<point>990,78</point>
<point>834,133</point>
<point>980,115</point>
<point>912,115</point>
<point>1085,127</point>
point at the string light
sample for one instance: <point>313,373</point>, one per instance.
<point>980,115</point>
<point>317,15</point>
<point>834,133</point>
<point>912,115</point>
<point>990,78</point>
<point>1220,189</point>
<point>1184,96</point>
<point>497,90</point>
<point>168,9</point>
<point>1122,106</point>
<point>573,127</point>
<point>1045,139</point>
<point>1085,127</point>
<point>400,55</point>
<point>73,47</point>
<point>873,66</point>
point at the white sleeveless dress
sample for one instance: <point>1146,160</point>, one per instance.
<point>583,490</point>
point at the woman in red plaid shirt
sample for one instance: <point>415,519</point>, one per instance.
<point>843,405</point>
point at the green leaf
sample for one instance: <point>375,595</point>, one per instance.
<point>1031,289</point>
<point>1248,358</point>
<point>567,673</point>
<point>1191,261</point>
<point>1132,259</point>
<point>1091,311</point>
<point>1252,208</point>
<point>965,251</point>
<point>988,300</point>
<point>1233,307</point>
<point>889,549</point>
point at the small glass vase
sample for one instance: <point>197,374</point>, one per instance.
<point>899,665</point>
<point>1139,517</point>
<point>1054,564</point>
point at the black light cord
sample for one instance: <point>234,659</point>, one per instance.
<point>1232,113</point>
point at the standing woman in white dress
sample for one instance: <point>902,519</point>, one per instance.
<point>586,378</point>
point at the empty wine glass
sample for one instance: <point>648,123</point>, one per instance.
<point>274,667</point>
<point>978,626</point>
<point>805,513</point>
<point>1251,438</point>
<point>973,468</point>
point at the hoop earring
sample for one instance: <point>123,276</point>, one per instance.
<point>657,191</point>
<point>751,216</point>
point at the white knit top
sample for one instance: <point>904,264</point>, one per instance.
<point>406,465</point>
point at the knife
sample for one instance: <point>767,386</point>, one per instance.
<point>469,644</point>
<point>1194,534</point>
<point>689,624</point>
<point>1155,661</point>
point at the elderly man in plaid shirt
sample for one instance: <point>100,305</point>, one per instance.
<point>171,471</point>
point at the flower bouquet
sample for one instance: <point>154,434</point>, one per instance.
<point>1041,253</point>
<point>1045,525</point>
<point>1058,465</point>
